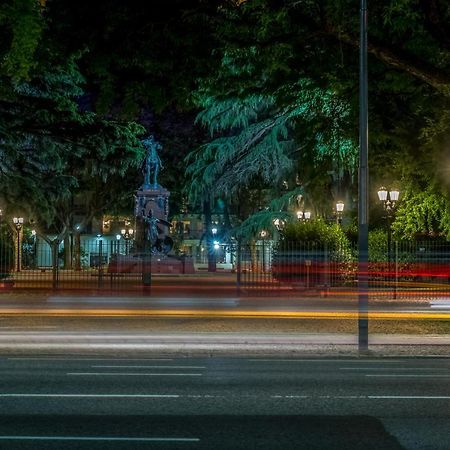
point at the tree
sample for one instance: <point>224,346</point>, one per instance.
<point>271,50</point>
<point>51,149</point>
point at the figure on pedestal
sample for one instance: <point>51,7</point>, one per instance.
<point>152,163</point>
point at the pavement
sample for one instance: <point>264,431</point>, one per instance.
<point>87,401</point>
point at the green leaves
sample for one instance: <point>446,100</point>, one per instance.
<point>25,24</point>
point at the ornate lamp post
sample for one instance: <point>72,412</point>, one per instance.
<point>127,233</point>
<point>303,215</point>
<point>389,200</point>
<point>339,211</point>
<point>18,223</point>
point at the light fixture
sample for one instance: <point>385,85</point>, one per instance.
<point>307,215</point>
<point>299,215</point>
<point>340,206</point>
<point>394,194</point>
<point>382,194</point>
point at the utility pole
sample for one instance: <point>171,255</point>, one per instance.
<point>363,198</point>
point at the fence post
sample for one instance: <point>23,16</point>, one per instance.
<point>396,270</point>
<point>327,268</point>
<point>100,265</point>
<point>54,250</point>
<point>238,267</point>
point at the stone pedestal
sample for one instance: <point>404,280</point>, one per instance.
<point>151,201</point>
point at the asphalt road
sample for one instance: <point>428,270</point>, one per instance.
<point>257,306</point>
<point>109,402</point>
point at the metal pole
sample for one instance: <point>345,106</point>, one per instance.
<point>238,266</point>
<point>389,249</point>
<point>363,198</point>
<point>18,250</point>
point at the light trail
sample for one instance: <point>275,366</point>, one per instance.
<point>239,314</point>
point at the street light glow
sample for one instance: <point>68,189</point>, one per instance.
<point>382,194</point>
<point>340,206</point>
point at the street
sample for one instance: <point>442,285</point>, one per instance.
<point>82,401</point>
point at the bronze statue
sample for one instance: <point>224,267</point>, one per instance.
<point>152,163</point>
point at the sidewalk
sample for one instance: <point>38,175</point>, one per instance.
<point>223,343</point>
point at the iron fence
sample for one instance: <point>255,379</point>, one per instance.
<point>408,270</point>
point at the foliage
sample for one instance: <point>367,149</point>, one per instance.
<point>52,151</point>
<point>422,214</point>
<point>377,246</point>
<point>317,234</point>
<point>23,25</point>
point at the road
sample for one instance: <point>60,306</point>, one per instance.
<point>160,402</point>
<point>303,307</point>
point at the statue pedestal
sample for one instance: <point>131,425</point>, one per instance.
<point>151,202</point>
<point>162,264</point>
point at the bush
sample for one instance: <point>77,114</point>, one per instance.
<point>312,253</point>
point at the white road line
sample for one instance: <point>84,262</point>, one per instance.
<point>289,396</point>
<point>132,374</point>
<point>365,397</point>
<point>328,360</point>
<point>57,358</point>
<point>395,368</point>
<point>209,396</point>
<point>410,397</point>
<point>97,438</point>
<point>383,375</point>
<point>147,367</point>
<point>89,396</point>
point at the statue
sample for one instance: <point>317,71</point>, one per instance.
<point>152,163</point>
<point>157,245</point>
<point>152,230</point>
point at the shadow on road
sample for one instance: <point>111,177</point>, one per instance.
<point>195,432</point>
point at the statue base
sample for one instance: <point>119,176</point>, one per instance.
<point>159,263</point>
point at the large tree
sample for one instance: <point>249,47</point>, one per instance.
<point>274,52</point>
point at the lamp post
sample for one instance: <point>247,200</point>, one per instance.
<point>303,215</point>
<point>18,223</point>
<point>339,211</point>
<point>127,233</point>
<point>389,200</point>
<point>263,235</point>
<point>363,187</point>
<point>34,235</point>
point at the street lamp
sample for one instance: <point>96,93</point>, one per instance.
<point>127,233</point>
<point>18,223</point>
<point>339,211</point>
<point>303,215</point>
<point>263,235</point>
<point>34,235</point>
<point>389,200</point>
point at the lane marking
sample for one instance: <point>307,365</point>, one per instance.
<point>89,396</point>
<point>98,438</point>
<point>379,375</point>
<point>209,396</point>
<point>410,397</point>
<point>85,359</point>
<point>148,367</point>
<point>395,368</point>
<point>365,397</point>
<point>133,374</point>
<point>290,396</point>
<point>328,360</point>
